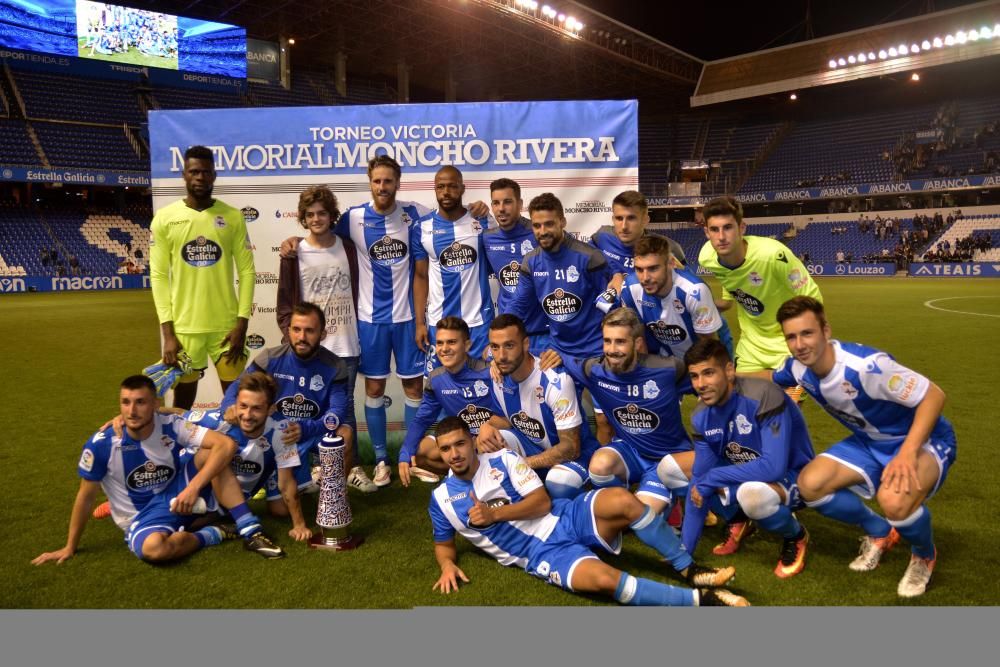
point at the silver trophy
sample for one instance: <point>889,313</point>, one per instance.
<point>333,514</point>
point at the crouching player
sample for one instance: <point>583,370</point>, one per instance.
<point>499,503</point>
<point>900,449</point>
<point>148,462</point>
<point>750,444</point>
<point>264,456</point>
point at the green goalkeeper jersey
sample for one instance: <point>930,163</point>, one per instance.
<point>191,259</point>
<point>769,275</point>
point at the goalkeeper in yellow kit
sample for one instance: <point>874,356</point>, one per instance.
<point>759,274</point>
<point>194,245</point>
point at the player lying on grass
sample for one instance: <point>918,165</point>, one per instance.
<point>499,503</point>
<point>750,442</point>
<point>153,460</point>
<point>899,451</point>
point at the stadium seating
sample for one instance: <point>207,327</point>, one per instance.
<point>819,240</point>
<point>77,146</point>
<point>54,96</point>
<point>974,224</point>
<point>15,144</point>
<point>692,238</point>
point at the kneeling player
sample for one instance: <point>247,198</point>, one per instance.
<point>900,449</point>
<point>498,503</point>
<point>750,443</point>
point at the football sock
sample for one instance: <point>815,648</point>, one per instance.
<point>208,536</point>
<point>375,417</point>
<point>653,530</point>
<point>916,529</point>
<point>648,593</point>
<point>844,506</point>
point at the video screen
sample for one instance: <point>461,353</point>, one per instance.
<point>126,35</point>
<point>103,31</point>
<point>45,26</point>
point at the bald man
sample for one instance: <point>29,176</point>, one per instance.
<point>451,273</point>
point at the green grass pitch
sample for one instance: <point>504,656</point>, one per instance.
<point>63,355</point>
<point>131,57</point>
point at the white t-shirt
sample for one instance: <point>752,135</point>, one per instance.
<point>325,277</point>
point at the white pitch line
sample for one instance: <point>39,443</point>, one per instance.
<point>930,303</point>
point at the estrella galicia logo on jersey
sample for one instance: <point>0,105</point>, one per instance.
<point>667,333</point>
<point>561,306</point>
<point>249,214</point>
<point>149,476</point>
<point>743,424</point>
<point>255,341</point>
<point>298,407</point>
<point>636,420</point>
<point>508,275</point>
<point>201,252</point>
<point>524,423</point>
<point>650,390</point>
<point>845,418</point>
<point>736,453</point>
<point>750,303</point>
<point>457,257</point>
<point>245,467</point>
<point>387,251</point>
<point>475,416</point>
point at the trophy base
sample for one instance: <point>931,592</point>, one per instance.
<point>335,540</point>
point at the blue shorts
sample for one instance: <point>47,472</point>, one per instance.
<point>156,516</point>
<point>480,337</point>
<point>868,461</point>
<point>789,484</point>
<point>572,540</point>
<point>520,443</point>
<point>641,470</point>
<point>379,341</point>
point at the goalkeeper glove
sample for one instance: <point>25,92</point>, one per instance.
<point>164,376</point>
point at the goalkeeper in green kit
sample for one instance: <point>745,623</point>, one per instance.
<point>759,274</point>
<point>194,245</point>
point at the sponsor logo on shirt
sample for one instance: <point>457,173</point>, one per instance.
<point>245,467</point>
<point>844,417</point>
<point>475,416</point>
<point>636,420</point>
<point>457,257</point>
<point>736,453</point>
<point>149,476</point>
<point>562,409</point>
<point>702,316</point>
<point>508,275</point>
<point>798,279</point>
<point>713,431</point>
<point>524,423</point>
<point>750,303</point>
<point>298,407</point>
<point>902,387</point>
<point>561,305</point>
<point>667,333</point>
<point>249,214</point>
<point>457,497</point>
<point>387,251</point>
<point>201,252</point>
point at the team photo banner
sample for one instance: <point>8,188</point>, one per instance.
<point>584,152</point>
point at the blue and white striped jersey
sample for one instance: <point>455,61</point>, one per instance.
<point>255,458</point>
<point>457,270</point>
<point>673,322</point>
<point>131,472</point>
<point>385,265</point>
<point>541,405</point>
<point>503,477</point>
<point>867,391</point>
